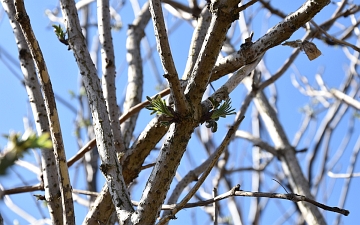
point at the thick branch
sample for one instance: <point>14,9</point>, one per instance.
<point>223,92</point>
<point>48,162</point>
<point>163,172</point>
<point>276,35</point>
<point>132,163</point>
<point>214,159</point>
<point>193,175</point>
<point>197,40</point>
<point>223,14</point>
<point>110,166</point>
<point>54,123</point>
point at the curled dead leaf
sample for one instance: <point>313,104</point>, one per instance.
<point>309,48</point>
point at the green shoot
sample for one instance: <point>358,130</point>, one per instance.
<point>223,111</point>
<point>158,106</point>
<point>217,112</point>
<point>60,34</point>
<point>18,145</point>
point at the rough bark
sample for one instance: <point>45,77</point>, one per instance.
<point>65,186</point>
<point>49,170</point>
<point>110,166</point>
<point>109,71</point>
<point>134,88</point>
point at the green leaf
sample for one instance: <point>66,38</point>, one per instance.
<point>158,105</point>
<point>72,94</point>
<point>44,141</point>
<point>61,34</point>
<point>217,112</point>
<point>223,111</point>
<point>18,145</point>
<point>59,31</point>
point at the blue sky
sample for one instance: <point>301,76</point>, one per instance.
<point>64,76</point>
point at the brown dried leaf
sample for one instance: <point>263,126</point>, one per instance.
<point>311,50</point>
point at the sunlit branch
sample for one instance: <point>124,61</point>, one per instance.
<point>110,167</point>
<point>271,39</point>
<point>49,169</point>
<point>197,40</point>
<point>54,124</point>
<point>342,175</point>
<point>134,89</point>
<point>166,57</point>
<point>223,14</point>
<point>109,71</point>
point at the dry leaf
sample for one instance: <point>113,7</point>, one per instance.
<point>309,48</point>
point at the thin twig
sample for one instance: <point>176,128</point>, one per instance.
<point>24,189</point>
<point>335,40</point>
<point>109,70</point>
<point>243,7</point>
<point>342,175</point>
<point>236,192</point>
<point>215,206</point>
<point>291,197</point>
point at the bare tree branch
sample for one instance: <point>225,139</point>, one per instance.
<point>48,163</point>
<point>110,167</point>
<point>109,70</point>
<point>54,123</point>
<point>276,35</point>
<point>134,88</point>
<point>197,40</point>
<point>263,150</point>
<point>223,14</point>
<point>166,57</point>
<point>210,166</point>
<point>350,170</point>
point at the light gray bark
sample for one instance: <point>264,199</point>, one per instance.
<point>134,87</point>
<point>109,71</point>
<point>180,132</point>
<point>49,169</point>
<point>51,111</point>
<point>110,166</point>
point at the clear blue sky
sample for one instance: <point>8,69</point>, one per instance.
<point>64,76</point>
